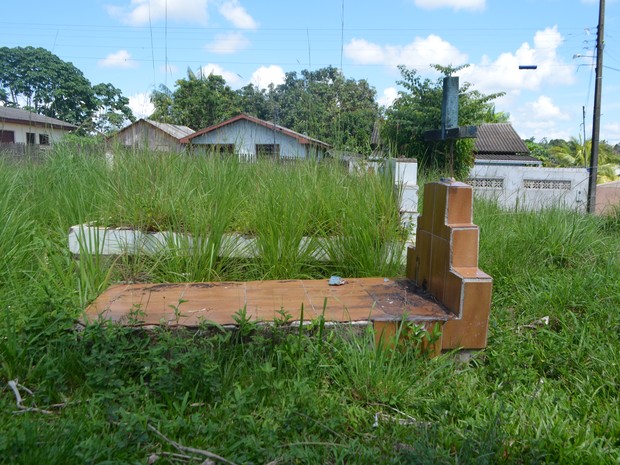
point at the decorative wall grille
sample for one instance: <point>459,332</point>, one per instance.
<point>487,183</point>
<point>563,185</point>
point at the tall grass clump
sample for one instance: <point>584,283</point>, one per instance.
<point>280,218</point>
<point>369,239</point>
<point>17,228</point>
<point>66,188</point>
<point>200,216</point>
<point>289,217</point>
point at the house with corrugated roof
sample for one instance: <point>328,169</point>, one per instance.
<point>19,126</point>
<point>505,172</point>
<point>251,138</point>
<point>499,144</point>
<point>152,135</point>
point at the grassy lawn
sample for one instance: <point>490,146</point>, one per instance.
<point>546,390</point>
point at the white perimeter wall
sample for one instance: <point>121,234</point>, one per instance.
<point>531,188</point>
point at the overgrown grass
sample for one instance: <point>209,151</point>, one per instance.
<point>540,393</point>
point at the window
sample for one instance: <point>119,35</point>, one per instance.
<point>7,137</point>
<point>30,138</point>
<point>44,139</point>
<point>268,150</point>
<point>223,150</point>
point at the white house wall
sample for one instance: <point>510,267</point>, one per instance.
<point>245,135</point>
<point>20,131</point>
<point>531,188</point>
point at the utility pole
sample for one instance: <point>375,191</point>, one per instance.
<point>583,122</point>
<point>596,123</point>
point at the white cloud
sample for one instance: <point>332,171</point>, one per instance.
<point>543,109</point>
<point>266,75</point>
<point>611,132</point>
<point>541,118</point>
<point>232,79</point>
<point>237,15</point>
<point>418,54</point>
<point>503,74</point>
<point>142,12</point>
<point>454,4</point>
<point>540,130</point>
<point>141,105</point>
<point>364,52</point>
<point>120,59</point>
<point>389,95</point>
<point>228,43</point>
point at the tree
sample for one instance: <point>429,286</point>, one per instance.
<point>162,100</point>
<point>37,80</point>
<point>256,102</point>
<point>198,101</point>
<point>574,154</point>
<point>112,109</point>
<point>539,150</point>
<point>322,104</point>
<point>418,109</point>
<point>325,105</point>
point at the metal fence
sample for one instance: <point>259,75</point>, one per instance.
<point>30,153</point>
<point>22,152</point>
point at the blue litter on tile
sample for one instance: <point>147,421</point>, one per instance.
<point>336,281</point>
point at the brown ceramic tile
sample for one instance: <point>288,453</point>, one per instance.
<point>465,247</point>
<point>460,202</point>
<point>440,261</point>
<point>464,334</point>
<point>453,293</point>
<point>401,300</point>
<point>385,333</point>
<point>344,303</point>
<point>425,221</point>
<point>471,330</point>
<point>471,272</point>
<point>477,300</point>
<point>444,232</point>
<point>358,300</point>
<point>439,208</point>
<point>423,259</point>
<point>266,300</point>
<point>435,348</point>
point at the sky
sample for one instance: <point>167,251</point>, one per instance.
<point>138,45</point>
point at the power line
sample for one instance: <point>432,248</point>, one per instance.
<point>88,27</point>
<point>166,42</point>
<point>152,48</point>
<point>341,35</point>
